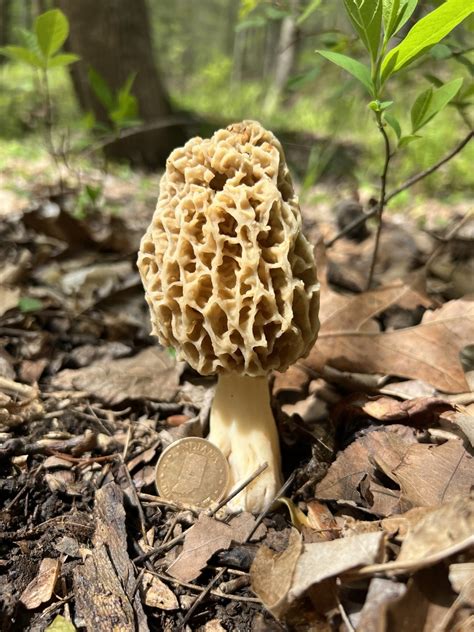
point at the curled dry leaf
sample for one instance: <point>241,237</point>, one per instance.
<point>280,579</point>
<point>151,374</point>
<point>40,589</point>
<point>428,351</point>
<point>19,403</point>
<point>157,594</point>
<point>461,577</point>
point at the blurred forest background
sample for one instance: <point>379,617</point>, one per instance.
<point>226,60</point>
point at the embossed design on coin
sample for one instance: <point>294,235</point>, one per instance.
<point>192,471</point>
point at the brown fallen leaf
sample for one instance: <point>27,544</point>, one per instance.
<point>428,351</point>
<point>19,403</point>
<point>381,594</point>
<point>271,574</point>
<point>460,420</point>
<point>206,537</point>
<point>40,589</point>
<point>444,531</point>
<point>385,447</point>
<point>421,411</point>
<point>151,374</point>
<point>432,474</point>
<point>157,594</point>
<point>461,577</point>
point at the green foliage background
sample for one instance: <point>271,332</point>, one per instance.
<point>216,59</point>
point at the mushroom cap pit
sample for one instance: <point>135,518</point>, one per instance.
<point>229,277</point>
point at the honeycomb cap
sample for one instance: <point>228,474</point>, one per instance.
<point>229,277</point>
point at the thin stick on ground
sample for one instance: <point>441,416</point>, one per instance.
<point>452,233</point>
<point>403,187</point>
<point>261,516</point>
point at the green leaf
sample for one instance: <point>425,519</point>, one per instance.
<point>394,124</point>
<point>127,86</point>
<point>357,70</point>
<point>60,624</point>
<point>406,11</point>
<point>101,89</point>
<point>64,59</point>
<point>390,13</point>
<point>425,34</point>
<point>24,55</point>
<point>431,102</point>
<point>406,140</point>
<point>311,8</point>
<point>379,106</point>
<point>366,17</point>
<point>52,29</point>
<point>28,304</point>
<point>298,81</point>
<point>246,6</point>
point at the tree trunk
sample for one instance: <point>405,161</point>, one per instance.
<point>5,13</point>
<point>113,37</point>
<point>285,57</point>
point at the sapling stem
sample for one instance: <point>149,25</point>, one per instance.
<point>382,198</point>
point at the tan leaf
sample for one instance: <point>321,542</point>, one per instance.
<point>40,589</point>
<point>442,532</point>
<point>157,593</point>
<point>271,574</point>
<point>461,577</point>
<point>382,592</point>
<point>320,561</point>
<point>430,475</point>
<point>9,298</point>
<point>151,374</point>
<point>428,352</point>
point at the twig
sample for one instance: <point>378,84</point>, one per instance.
<point>200,598</point>
<point>382,200</point>
<point>268,506</point>
<point>261,516</point>
<point>406,185</point>
<point>238,489</point>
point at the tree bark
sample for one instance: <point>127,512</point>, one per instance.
<point>5,12</point>
<point>113,37</point>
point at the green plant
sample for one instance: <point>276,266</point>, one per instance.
<point>376,22</point>
<point>121,106</point>
<point>42,51</point>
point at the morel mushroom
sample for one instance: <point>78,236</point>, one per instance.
<point>231,284</point>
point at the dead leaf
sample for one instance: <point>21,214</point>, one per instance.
<point>421,411</point>
<point>385,447</point>
<point>382,592</point>
<point>205,538</point>
<point>40,589</point>
<point>157,594</point>
<point>428,351</point>
<point>19,403</point>
<point>461,577</point>
<point>320,561</point>
<point>271,574</point>
<point>444,531</point>
<point>151,374</point>
<point>9,298</point>
<point>430,474</point>
<point>211,626</point>
<point>460,420</point>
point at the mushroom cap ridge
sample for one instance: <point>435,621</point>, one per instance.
<point>229,277</point>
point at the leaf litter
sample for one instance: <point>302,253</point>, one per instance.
<point>376,529</point>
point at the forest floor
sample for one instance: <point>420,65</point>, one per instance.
<point>374,531</point>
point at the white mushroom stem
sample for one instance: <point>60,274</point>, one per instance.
<point>243,427</point>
